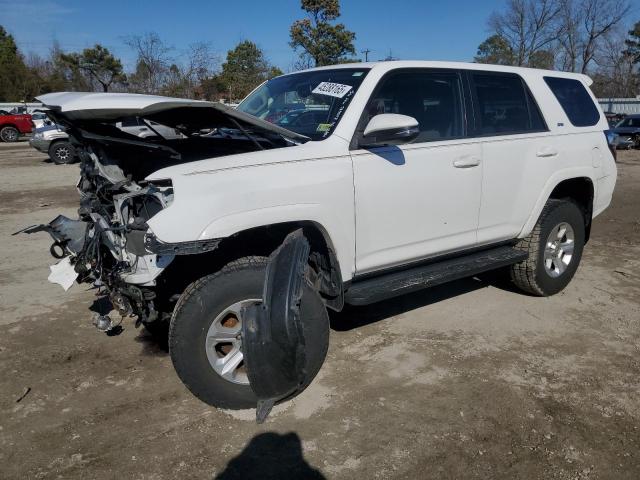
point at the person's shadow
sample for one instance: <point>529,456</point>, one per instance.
<point>271,455</point>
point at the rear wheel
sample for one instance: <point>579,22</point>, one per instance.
<point>9,134</point>
<point>555,248</point>
<point>205,339</point>
<point>61,153</point>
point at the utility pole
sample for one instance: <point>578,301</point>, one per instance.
<point>366,54</point>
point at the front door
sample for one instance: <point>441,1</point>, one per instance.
<point>422,199</point>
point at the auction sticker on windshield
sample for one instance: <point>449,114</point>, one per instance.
<point>337,90</point>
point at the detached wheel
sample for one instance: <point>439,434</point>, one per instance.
<point>9,134</point>
<point>61,153</point>
<point>205,339</point>
<point>555,248</point>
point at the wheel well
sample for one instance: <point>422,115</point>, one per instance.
<point>258,241</point>
<point>580,191</point>
<point>9,125</point>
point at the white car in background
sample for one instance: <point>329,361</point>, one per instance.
<point>54,141</point>
<point>40,119</point>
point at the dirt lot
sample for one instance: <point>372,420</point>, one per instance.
<point>468,380</point>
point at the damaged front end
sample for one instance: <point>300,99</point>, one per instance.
<point>110,244</point>
<point>105,246</point>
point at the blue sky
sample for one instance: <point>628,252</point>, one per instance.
<point>411,29</point>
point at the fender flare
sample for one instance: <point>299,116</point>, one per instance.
<point>336,236</point>
<point>553,181</point>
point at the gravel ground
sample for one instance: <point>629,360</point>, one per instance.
<point>467,380</point>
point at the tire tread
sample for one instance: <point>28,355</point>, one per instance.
<point>523,274</point>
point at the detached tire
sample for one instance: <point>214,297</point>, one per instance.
<point>207,312</point>
<point>555,248</point>
<point>9,134</point>
<point>62,153</point>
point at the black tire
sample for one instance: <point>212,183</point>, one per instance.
<point>9,134</point>
<point>203,301</point>
<point>62,152</point>
<point>531,275</point>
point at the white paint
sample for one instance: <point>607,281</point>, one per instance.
<point>387,206</point>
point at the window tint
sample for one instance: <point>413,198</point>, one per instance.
<point>575,101</point>
<point>629,122</point>
<point>433,99</point>
<point>505,105</point>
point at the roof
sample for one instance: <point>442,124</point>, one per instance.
<point>390,65</point>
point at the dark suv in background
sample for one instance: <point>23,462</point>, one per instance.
<point>628,131</point>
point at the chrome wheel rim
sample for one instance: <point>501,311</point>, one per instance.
<point>9,135</point>
<point>223,344</point>
<point>558,251</point>
<point>62,153</point>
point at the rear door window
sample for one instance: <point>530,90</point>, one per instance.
<point>575,101</point>
<point>504,105</point>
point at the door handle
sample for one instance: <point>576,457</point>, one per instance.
<point>466,162</point>
<point>546,152</point>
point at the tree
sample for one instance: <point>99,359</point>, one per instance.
<point>496,50</point>
<point>584,25</point>
<point>633,44</point>
<point>617,74</point>
<point>98,64</point>
<point>317,37</point>
<point>13,71</point>
<point>184,78</point>
<point>152,64</point>
<point>527,26</point>
<point>245,69</point>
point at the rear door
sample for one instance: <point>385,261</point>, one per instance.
<point>516,152</point>
<point>422,199</point>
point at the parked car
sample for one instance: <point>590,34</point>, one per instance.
<point>54,141</point>
<point>419,173</point>
<point>613,118</point>
<point>40,119</point>
<point>629,131</point>
<point>147,129</point>
<point>12,126</point>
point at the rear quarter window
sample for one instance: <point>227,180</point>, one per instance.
<point>575,101</point>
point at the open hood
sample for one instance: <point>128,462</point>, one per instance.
<point>183,114</point>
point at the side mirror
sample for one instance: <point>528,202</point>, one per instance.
<point>390,129</point>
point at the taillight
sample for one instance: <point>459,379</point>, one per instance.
<point>612,141</point>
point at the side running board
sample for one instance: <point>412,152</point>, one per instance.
<point>397,283</point>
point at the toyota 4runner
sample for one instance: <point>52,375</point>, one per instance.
<point>340,185</point>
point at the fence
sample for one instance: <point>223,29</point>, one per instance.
<point>624,106</point>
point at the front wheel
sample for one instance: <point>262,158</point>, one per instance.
<point>205,335</point>
<point>555,248</point>
<point>61,153</point>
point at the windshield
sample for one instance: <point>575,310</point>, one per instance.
<point>308,103</point>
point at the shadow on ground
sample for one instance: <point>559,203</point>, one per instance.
<point>271,455</point>
<point>352,317</point>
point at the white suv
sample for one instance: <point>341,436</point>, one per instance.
<point>345,184</point>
